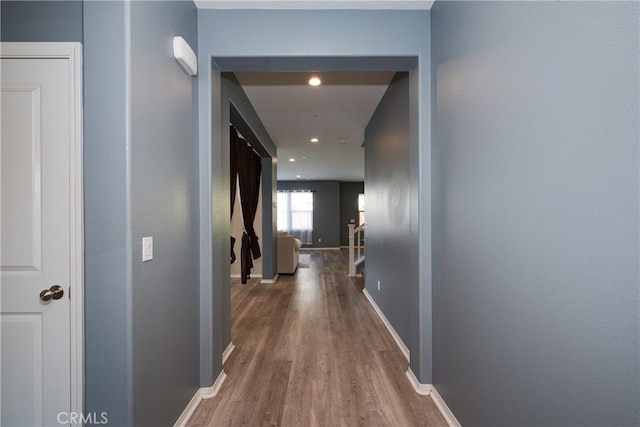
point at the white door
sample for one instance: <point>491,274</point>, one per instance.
<point>37,240</point>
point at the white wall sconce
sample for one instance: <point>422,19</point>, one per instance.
<point>185,55</point>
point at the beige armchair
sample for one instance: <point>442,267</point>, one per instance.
<point>288,253</point>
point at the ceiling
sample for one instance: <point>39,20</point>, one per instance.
<point>336,113</point>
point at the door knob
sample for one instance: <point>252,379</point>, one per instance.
<point>54,292</point>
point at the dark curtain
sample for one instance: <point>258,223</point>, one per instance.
<point>249,172</point>
<point>234,142</point>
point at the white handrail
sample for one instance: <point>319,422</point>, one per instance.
<point>356,247</point>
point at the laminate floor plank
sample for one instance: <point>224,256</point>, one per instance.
<point>311,351</point>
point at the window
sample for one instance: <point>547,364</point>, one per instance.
<point>295,214</point>
<point>360,209</point>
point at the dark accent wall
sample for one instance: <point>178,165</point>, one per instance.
<point>142,342</point>
<point>535,231</point>
<point>335,202</point>
<point>326,210</point>
<point>391,238</point>
<point>348,208</point>
<point>41,21</point>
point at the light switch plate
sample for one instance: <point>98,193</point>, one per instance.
<point>147,249</point>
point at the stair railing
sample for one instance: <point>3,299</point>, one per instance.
<point>356,248</point>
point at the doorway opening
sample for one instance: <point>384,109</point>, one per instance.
<point>222,68</point>
<point>261,86</point>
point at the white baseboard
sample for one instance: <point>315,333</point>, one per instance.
<point>256,276</point>
<point>189,410</point>
<point>227,352</point>
<point>319,249</point>
<point>209,392</point>
<point>444,409</point>
<point>271,281</point>
<point>201,393</point>
<point>430,390</point>
<point>423,389</point>
<point>394,334</point>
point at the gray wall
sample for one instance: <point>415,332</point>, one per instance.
<point>164,204</point>
<point>536,212</point>
<point>326,210</point>
<point>348,208</point>
<point>39,21</point>
<point>107,221</point>
<point>108,332</point>
<point>140,180</point>
<point>244,117</point>
<point>534,322</point>
<point>391,241</point>
<point>281,41</point>
<point>236,106</point>
<point>335,202</point>
<point>224,96</point>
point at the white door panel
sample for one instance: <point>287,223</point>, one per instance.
<point>22,369</point>
<point>35,231</point>
<point>21,237</point>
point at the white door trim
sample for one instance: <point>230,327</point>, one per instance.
<point>72,52</point>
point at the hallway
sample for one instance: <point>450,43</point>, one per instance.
<point>311,351</point>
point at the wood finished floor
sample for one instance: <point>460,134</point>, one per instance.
<point>310,351</point>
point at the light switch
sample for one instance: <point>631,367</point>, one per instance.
<point>147,249</point>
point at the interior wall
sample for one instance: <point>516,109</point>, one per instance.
<point>246,120</point>
<point>335,203</point>
<point>140,180</point>
<point>390,239</point>
<point>348,208</point>
<point>224,96</point>
<point>39,21</point>
<point>107,221</point>
<point>536,234</point>
<point>164,204</point>
<point>269,196</point>
<point>326,210</point>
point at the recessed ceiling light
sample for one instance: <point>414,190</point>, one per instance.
<point>314,140</point>
<point>298,176</point>
<point>315,81</point>
<point>292,159</point>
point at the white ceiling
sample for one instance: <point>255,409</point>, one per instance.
<point>315,4</point>
<point>335,112</point>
